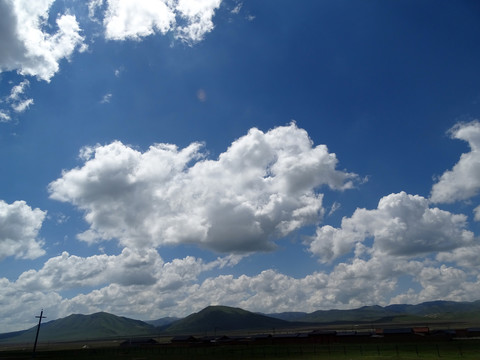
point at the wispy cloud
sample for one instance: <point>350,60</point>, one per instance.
<point>118,71</point>
<point>23,105</point>
<point>106,98</point>
<point>237,8</point>
<point>17,99</point>
<point>335,206</point>
<point>4,116</point>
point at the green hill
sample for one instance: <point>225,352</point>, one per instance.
<point>163,322</point>
<point>437,307</point>
<point>223,318</point>
<point>84,327</point>
<point>363,314</point>
<point>288,316</point>
<point>428,311</point>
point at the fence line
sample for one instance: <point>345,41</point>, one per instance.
<point>321,351</point>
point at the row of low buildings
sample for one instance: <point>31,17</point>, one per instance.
<point>324,337</point>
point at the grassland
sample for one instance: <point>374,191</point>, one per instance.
<point>451,350</point>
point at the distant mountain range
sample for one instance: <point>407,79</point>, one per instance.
<point>221,319</point>
<point>426,312</point>
<point>163,322</point>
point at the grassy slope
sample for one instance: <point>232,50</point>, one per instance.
<point>83,327</point>
<point>435,310</point>
<point>162,322</point>
<point>223,318</point>
<point>364,314</point>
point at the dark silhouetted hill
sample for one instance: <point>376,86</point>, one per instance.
<point>84,327</point>
<point>223,318</point>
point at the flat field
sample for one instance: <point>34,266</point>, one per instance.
<point>461,350</point>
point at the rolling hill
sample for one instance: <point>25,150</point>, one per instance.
<point>363,314</point>
<point>84,327</point>
<point>288,316</point>
<point>433,310</point>
<point>224,318</point>
<point>163,322</point>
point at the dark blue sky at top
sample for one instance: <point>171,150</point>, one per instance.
<point>378,82</point>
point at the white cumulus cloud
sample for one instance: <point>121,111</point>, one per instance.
<point>19,227</point>
<point>69,271</point>
<point>463,181</point>
<point>136,19</point>
<point>441,282</point>
<point>26,47</point>
<point>29,46</point>
<point>262,188</point>
<point>197,17</point>
<point>402,225</point>
<point>189,20</point>
<point>467,257</point>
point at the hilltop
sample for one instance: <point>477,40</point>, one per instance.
<point>75,327</point>
<point>224,318</point>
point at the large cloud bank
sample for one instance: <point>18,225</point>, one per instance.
<point>140,284</point>
<point>262,188</point>
<point>140,280</point>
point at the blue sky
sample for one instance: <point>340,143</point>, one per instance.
<point>161,157</point>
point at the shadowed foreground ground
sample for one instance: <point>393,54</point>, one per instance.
<point>465,350</point>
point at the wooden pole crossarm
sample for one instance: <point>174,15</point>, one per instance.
<point>38,330</point>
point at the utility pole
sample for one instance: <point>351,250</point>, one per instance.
<point>38,330</point>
